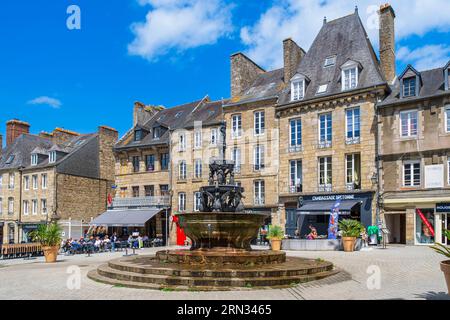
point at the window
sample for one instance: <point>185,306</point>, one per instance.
<point>135,192</point>
<point>295,185</point>
<point>149,191</point>
<point>236,157</point>
<point>330,61</point>
<point>164,161</point>
<point>178,114</point>
<point>325,130</point>
<point>138,135</point>
<point>411,174</point>
<point>10,159</point>
<point>44,206</point>
<point>52,157</point>
<point>258,157</point>
<point>198,168</point>
<point>409,87</point>
<point>26,183</point>
<point>349,78</point>
<point>259,123</point>
<point>136,163</point>
<point>34,159</point>
<point>408,123</point>
<point>259,192</point>
<point>26,208</point>
<point>353,170</point>
<point>297,90</point>
<point>198,139</point>
<point>236,121</point>
<point>325,174</point>
<point>214,136</point>
<point>296,135</point>
<point>353,126</point>
<point>447,119</point>
<point>34,181</point>
<point>322,89</point>
<point>1,206</point>
<point>44,181</point>
<point>34,207</point>
<point>182,202</point>
<point>425,226</point>
<point>182,174</point>
<point>11,180</point>
<point>164,189</point>
<point>182,142</point>
<point>156,133</point>
<point>197,201</point>
<point>10,205</point>
<point>150,162</point>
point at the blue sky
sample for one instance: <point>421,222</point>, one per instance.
<point>168,52</point>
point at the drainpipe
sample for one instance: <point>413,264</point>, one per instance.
<point>377,161</point>
<point>20,206</point>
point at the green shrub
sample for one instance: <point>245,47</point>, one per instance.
<point>47,235</point>
<point>275,233</point>
<point>441,249</point>
<point>351,228</point>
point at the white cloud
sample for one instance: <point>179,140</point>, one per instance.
<point>426,57</point>
<point>179,25</point>
<point>302,20</point>
<point>44,100</point>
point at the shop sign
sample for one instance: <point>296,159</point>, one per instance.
<point>334,197</point>
<point>442,207</point>
<point>434,176</point>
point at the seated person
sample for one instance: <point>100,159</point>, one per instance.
<point>313,234</point>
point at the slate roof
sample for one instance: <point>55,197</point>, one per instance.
<point>346,39</point>
<point>182,116</point>
<point>432,84</point>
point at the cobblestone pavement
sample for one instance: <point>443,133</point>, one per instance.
<point>405,273</point>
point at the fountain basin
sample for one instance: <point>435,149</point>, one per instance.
<point>221,230</point>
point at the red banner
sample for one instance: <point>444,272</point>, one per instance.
<point>426,222</point>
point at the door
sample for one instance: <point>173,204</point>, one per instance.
<point>445,226</point>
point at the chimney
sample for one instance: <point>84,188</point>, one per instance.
<point>387,41</point>
<point>107,138</point>
<point>143,113</point>
<point>243,72</point>
<point>292,55</point>
<point>46,135</point>
<point>14,129</point>
<point>62,135</point>
<point>1,144</point>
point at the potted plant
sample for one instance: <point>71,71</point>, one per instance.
<point>351,230</point>
<point>276,235</point>
<point>445,265</point>
<point>49,236</point>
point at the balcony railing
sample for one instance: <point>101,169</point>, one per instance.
<point>294,149</point>
<point>296,189</point>
<point>260,201</point>
<point>325,188</point>
<point>325,144</point>
<point>352,186</point>
<point>350,141</point>
<point>141,202</point>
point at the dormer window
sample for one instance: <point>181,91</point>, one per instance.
<point>156,133</point>
<point>52,157</point>
<point>330,61</point>
<point>350,75</point>
<point>298,86</point>
<point>409,87</point>
<point>34,159</point>
<point>322,89</point>
<point>138,135</point>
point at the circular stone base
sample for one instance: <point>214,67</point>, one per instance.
<point>218,256</point>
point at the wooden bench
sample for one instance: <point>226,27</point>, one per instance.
<point>9,251</point>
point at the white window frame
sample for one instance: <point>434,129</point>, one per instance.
<point>182,142</point>
<point>325,187</point>
<point>409,120</point>
<point>447,118</point>
<point>329,61</point>
<point>26,207</point>
<point>416,79</point>
<point>259,118</point>
<point>259,192</point>
<point>353,139</point>
<point>182,170</point>
<point>34,181</point>
<point>322,89</point>
<point>34,159</point>
<point>448,170</point>
<point>198,138</point>
<point>34,207</point>
<point>26,183</point>
<point>236,126</point>
<point>198,168</point>
<point>297,146</point>
<point>258,157</point>
<point>295,175</point>
<point>197,201</point>
<point>325,143</point>
<point>349,69</point>
<point>52,157</point>
<point>411,163</point>
<point>44,181</point>
<point>236,157</point>
<point>298,88</point>
<point>214,136</point>
<point>44,207</point>
<point>182,201</point>
<point>350,184</point>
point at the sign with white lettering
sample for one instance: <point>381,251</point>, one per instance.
<point>434,176</point>
<point>442,207</point>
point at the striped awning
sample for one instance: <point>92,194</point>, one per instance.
<point>125,218</point>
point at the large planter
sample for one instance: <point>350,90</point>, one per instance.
<point>445,267</point>
<point>349,243</point>
<point>276,244</point>
<point>50,253</point>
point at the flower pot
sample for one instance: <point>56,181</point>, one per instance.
<point>445,267</point>
<point>276,244</point>
<point>349,243</point>
<point>50,253</point>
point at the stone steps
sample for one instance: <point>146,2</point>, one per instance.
<point>112,276</point>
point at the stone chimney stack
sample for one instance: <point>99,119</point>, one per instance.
<point>143,113</point>
<point>387,41</point>
<point>292,55</point>
<point>1,144</point>
<point>107,138</point>
<point>61,136</point>
<point>14,129</point>
<point>243,72</point>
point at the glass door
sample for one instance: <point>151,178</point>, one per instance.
<point>445,226</point>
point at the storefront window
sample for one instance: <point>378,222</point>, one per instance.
<point>425,230</point>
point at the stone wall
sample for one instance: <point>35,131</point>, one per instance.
<point>5,194</point>
<point>243,72</point>
<point>107,137</point>
<point>387,42</point>
<point>292,55</point>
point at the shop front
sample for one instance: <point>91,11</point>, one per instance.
<point>27,229</point>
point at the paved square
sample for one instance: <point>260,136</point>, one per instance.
<point>405,273</point>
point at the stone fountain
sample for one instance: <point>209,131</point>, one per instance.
<point>220,257</point>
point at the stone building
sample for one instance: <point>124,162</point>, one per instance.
<point>63,176</point>
<point>414,135</point>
